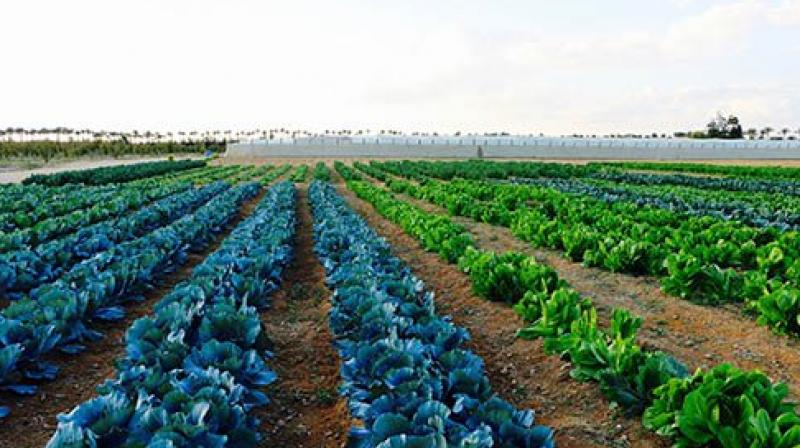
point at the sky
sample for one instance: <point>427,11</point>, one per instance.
<point>521,66</point>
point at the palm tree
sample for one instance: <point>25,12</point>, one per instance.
<point>785,132</point>
<point>752,132</point>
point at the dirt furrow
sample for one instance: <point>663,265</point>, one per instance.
<point>305,408</point>
<point>519,370</point>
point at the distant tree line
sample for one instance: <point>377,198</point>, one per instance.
<point>46,143</point>
<point>47,150</point>
<point>731,128</point>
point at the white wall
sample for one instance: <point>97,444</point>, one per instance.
<point>703,150</point>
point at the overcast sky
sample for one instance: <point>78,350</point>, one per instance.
<point>516,65</point>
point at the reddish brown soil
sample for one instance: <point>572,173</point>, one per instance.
<point>306,410</point>
<point>519,370</point>
<point>700,336</point>
<point>33,419</point>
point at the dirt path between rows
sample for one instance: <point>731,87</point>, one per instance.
<point>519,370</point>
<point>305,408</point>
<point>33,418</point>
<point>700,336</point>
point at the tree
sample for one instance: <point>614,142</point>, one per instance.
<point>714,129</point>
<point>721,127</point>
<point>734,128</point>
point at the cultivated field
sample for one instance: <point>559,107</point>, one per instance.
<point>320,302</point>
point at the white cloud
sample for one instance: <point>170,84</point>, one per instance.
<point>720,28</point>
<point>716,32</point>
<point>786,14</point>
<point>356,63</point>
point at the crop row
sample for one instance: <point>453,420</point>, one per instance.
<point>35,203</point>
<point>22,206</point>
<point>754,209</point>
<point>759,204</point>
<point>121,199</point>
<point>274,174</point>
<point>723,406</point>
<point>18,198</point>
<point>248,173</point>
<point>56,315</point>
<point>746,179</point>
<point>698,258</point>
<point>62,205</point>
<point>299,174</point>
<point>202,175</point>
<point>125,200</point>
<point>482,170</point>
<point>752,185</point>
<point>193,370</point>
<point>321,172</point>
<point>232,174</point>
<point>765,172</point>
<point>25,269</point>
<point>113,174</point>
<point>407,376</point>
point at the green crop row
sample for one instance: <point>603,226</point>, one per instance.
<point>482,169</point>
<point>248,173</point>
<point>274,174</point>
<point>300,174</point>
<point>723,406</point>
<point>702,259</point>
<point>321,172</point>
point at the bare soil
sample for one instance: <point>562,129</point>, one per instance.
<point>700,336</point>
<point>33,418</point>
<point>519,370</point>
<point>306,409</point>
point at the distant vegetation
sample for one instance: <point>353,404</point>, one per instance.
<point>45,144</point>
<point>731,128</point>
<point>47,150</point>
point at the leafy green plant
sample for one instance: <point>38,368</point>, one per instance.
<point>551,315</point>
<point>299,174</point>
<point>436,233</point>
<point>635,391</point>
<point>321,172</point>
<point>628,255</point>
<point>689,278</point>
<point>616,353</point>
<point>621,237</point>
<point>780,310</point>
<point>724,407</point>
<point>507,277</point>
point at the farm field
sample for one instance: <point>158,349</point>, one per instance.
<point>430,303</point>
<point>13,172</point>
